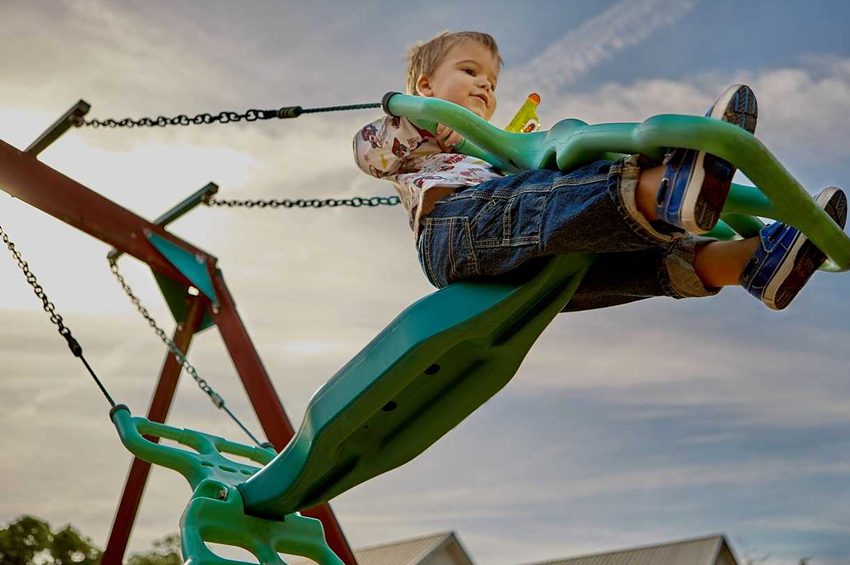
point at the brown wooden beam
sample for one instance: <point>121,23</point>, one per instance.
<point>28,179</point>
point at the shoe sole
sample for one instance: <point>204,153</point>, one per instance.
<point>804,258</point>
<point>737,105</point>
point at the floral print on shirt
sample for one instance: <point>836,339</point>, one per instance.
<point>395,149</point>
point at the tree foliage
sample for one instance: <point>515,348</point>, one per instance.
<point>165,552</point>
<point>30,541</point>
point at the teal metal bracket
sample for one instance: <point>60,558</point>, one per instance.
<point>193,267</point>
<point>175,296</point>
<point>202,195</point>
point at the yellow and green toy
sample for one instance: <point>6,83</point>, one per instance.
<point>526,120</point>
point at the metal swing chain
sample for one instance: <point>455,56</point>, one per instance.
<point>355,202</point>
<point>222,117</point>
<point>64,331</point>
<point>252,116</point>
<point>77,349</point>
<point>216,398</point>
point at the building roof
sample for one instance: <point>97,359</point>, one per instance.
<point>710,550</point>
<point>405,552</point>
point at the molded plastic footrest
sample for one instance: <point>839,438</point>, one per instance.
<point>216,515</point>
<point>205,462</point>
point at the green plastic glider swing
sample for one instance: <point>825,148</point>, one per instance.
<point>446,354</point>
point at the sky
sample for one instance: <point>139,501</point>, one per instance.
<point>635,425</point>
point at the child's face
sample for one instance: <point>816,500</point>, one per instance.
<point>466,76</point>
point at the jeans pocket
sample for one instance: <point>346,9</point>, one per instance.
<point>512,221</point>
<point>447,253</point>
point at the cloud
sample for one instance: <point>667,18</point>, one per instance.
<point>120,56</point>
<point>795,524</point>
<point>804,108</point>
<point>608,421</point>
<point>622,25</point>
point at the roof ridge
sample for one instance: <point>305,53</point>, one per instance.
<point>438,542</point>
<point>442,534</point>
<point>721,537</point>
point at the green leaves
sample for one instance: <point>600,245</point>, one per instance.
<point>166,552</point>
<point>30,541</point>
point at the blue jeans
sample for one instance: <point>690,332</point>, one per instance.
<point>496,226</point>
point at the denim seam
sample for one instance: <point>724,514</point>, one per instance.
<point>686,283</point>
<point>506,224</point>
<point>514,242</point>
<point>426,248</point>
<point>664,274</point>
<point>616,195</point>
<point>488,243</point>
<point>452,267</point>
<point>613,193</point>
<point>473,258</point>
<point>439,221</point>
<point>571,181</point>
<point>511,194</point>
<point>465,195</point>
<point>452,222</point>
<point>507,240</point>
<point>474,221</point>
<point>629,201</point>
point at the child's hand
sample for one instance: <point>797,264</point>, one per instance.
<point>447,138</point>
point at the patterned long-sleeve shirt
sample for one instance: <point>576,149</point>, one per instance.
<point>393,148</point>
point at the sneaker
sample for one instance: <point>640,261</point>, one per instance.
<point>695,185</point>
<point>786,258</point>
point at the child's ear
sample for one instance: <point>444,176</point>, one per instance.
<point>423,86</point>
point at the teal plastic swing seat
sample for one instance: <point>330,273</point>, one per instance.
<point>435,364</point>
<point>449,352</point>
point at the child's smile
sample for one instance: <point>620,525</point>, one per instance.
<point>467,76</point>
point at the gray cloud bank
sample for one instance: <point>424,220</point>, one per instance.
<point>642,423</point>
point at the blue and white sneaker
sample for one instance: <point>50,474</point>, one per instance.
<point>695,185</point>
<point>786,258</point>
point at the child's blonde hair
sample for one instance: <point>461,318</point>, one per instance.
<point>426,57</point>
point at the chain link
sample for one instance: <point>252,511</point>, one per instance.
<point>202,384</point>
<point>39,291</point>
<point>216,398</point>
<point>355,202</point>
<point>77,350</point>
<point>225,117</point>
<point>64,331</point>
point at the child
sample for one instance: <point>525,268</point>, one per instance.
<point>642,219</point>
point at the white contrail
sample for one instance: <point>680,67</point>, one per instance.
<point>599,39</point>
